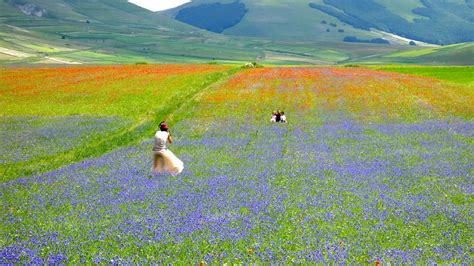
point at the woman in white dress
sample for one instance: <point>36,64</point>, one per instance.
<point>164,161</point>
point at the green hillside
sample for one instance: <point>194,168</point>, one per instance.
<point>455,74</point>
<point>284,20</point>
<point>455,54</point>
<point>116,32</point>
<point>104,31</point>
<point>108,32</point>
<point>99,13</point>
<point>431,21</point>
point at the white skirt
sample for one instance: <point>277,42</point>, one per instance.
<point>165,161</point>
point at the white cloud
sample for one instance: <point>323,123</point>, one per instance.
<point>158,5</point>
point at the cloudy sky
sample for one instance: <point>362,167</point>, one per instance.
<point>157,5</point>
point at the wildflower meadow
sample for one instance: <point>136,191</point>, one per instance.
<point>372,166</point>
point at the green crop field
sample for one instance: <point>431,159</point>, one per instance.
<point>454,55</point>
<point>372,166</point>
<point>459,75</point>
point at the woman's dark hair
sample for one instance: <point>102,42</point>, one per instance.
<point>163,126</point>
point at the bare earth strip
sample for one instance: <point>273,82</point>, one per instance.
<point>18,28</point>
<point>14,53</point>
<point>399,39</point>
<point>63,61</point>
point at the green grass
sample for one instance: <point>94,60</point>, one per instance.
<point>277,20</point>
<point>460,75</point>
<point>413,53</point>
<point>467,48</point>
<point>456,54</point>
<point>403,8</point>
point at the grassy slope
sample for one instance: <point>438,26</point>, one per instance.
<point>444,22</point>
<point>403,8</point>
<point>455,54</point>
<point>276,20</point>
<point>113,13</point>
<point>119,32</point>
<point>459,75</point>
<point>100,47</point>
<point>296,20</point>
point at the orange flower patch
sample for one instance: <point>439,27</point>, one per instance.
<point>363,93</point>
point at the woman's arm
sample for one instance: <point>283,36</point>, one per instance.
<point>169,138</point>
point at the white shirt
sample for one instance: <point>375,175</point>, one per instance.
<point>161,137</point>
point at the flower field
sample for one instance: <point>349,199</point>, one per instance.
<point>100,108</point>
<point>372,166</point>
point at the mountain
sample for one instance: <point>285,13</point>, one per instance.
<point>90,31</point>
<point>99,13</point>
<point>430,21</point>
<point>117,32</point>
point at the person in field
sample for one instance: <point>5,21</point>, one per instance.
<point>278,116</point>
<point>273,119</point>
<point>164,161</point>
<point>283,117</point>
